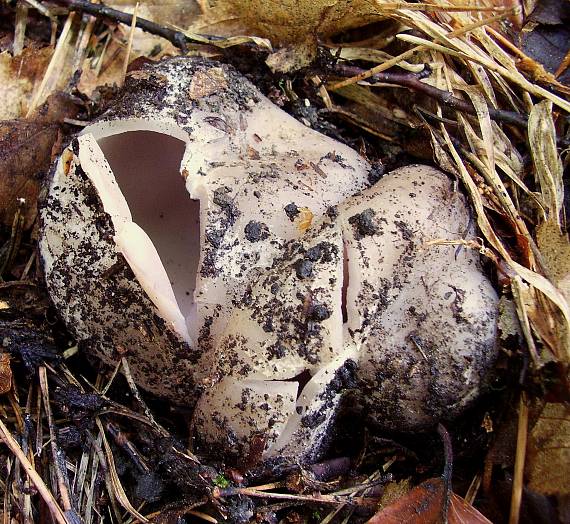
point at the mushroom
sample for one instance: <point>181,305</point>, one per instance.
<point>232,252</point>
<point>424,317</point>
<point>159,212</point>
<point>418,341</point>
<point>286,329</point>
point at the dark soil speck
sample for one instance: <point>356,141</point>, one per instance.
<point>256,231</point>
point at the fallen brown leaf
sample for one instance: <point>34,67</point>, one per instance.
<point>421,505</point>
<point>19,76</point>
<point>287,22</point>
<point>424,504</point>
<point>25,156</point>
<point>5,373</point>
<point>548,451</point>
<point>461,512</point>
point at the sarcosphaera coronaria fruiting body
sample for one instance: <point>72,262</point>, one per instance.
<point>242,261</point>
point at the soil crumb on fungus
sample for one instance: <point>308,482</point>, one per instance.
<point>244,262</point>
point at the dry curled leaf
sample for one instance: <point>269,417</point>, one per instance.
<point>548,451</point>
<point>425,504</point>
<point>5,373</point>
<point>25,156</point>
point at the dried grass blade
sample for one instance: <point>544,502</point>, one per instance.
<point>88,511</point>
<point>52,72</point>
<point>78,487</point>
<point>41,8</point>
<point>20,29</point>
<point>43,490</point>
<point>482,149</point>
<point>517,290</point>
<point>482,113</point>
<point>522,434</point>
<point>483,23</point>
<point>378,69</point>
<point>462,49</point>
<point>429,44</point>
<point>547,163</point>
<point>58,463</point>
<point>130,43</point>
<point>434,7</point>
<point>118,490</point>
<point>135,391</point>
<point>6,499</point>
<point>534,279</point>
<point>372,55</point>
<point>556,297</point>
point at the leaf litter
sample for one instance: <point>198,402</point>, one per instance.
<point>514,175</point>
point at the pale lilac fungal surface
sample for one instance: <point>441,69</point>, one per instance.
<point>241,261</point>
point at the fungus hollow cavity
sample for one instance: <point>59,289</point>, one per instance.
<point>146,167</point>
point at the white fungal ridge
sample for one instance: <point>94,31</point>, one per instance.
<point>267,294</point>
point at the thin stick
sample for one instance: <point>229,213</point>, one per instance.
<point>316,499</point>
<point>43,490</point>
<point>177,38</point>
<point>130,44</point>
<point>413,81</point>
<point>522,434</point>
<point>61,480</point>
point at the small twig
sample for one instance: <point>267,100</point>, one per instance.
<point>518,480</point>
<point>43,490</point>
<point>177,38</point>
<point>413,81</point>
<point>447,469</point>
<point>315,499</point>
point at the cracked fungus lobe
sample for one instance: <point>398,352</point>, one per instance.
<point>283,284</point>
<point>111,216</point>
<point>95,288</point>
<point>418,341</point>
<point>423,315</point>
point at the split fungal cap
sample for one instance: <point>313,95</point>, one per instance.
<point>423,314</point>
<point>161,210</point>
<point>418,338</point>
<point>226,248</point>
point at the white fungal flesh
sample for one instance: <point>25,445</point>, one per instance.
<point>233,412</point>
<point>289,319</point>
<point>193,227</point>
<point>420,318</point>
<point>429,308</point>
<point>149,209</point>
